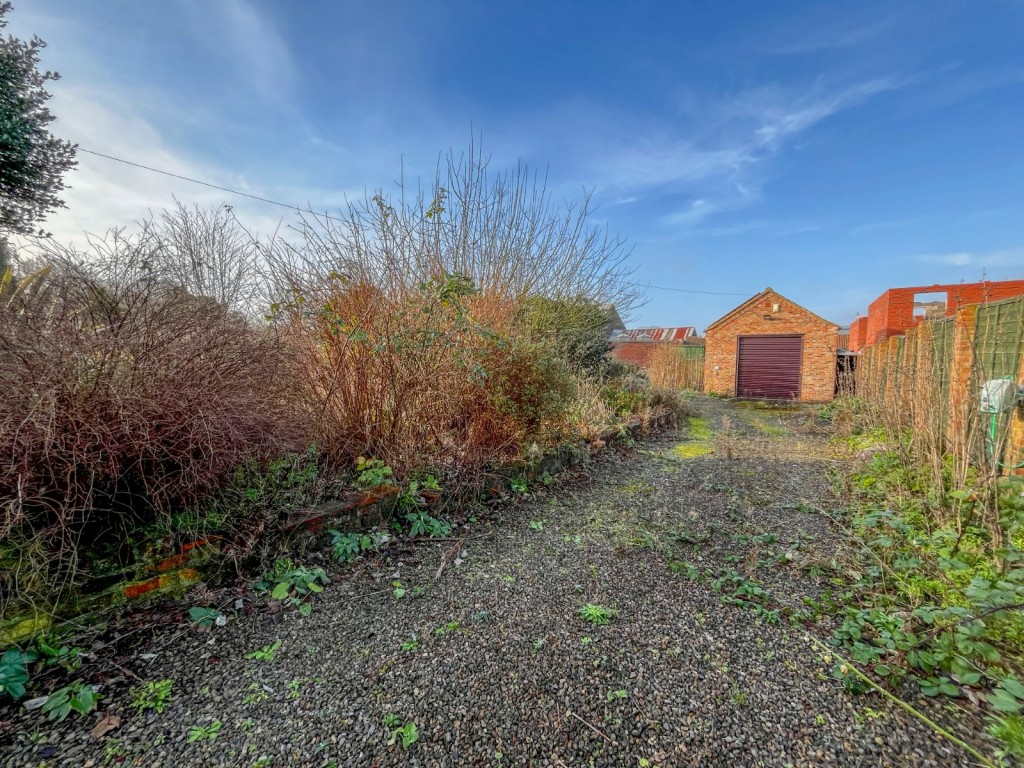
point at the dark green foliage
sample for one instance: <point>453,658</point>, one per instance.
<point>292,584</point>
<point>349,546</point>
<point>576,331</point>
<point>935,598</point>
<point>52,652</point>
<point>14,672</point>
<point>77,697</point>
<point>32,160</point>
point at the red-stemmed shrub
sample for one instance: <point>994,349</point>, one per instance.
<point>123,398</point>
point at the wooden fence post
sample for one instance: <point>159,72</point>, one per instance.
<point>908,382</point>
<point>961,371</point>
<point>920,395</point>
<point>892,375</point>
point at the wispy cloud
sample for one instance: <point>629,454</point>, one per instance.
<point>255,51</point>
<point>725,167</point>
<point>103,193</point>
<point>829,38</point>
<point>1007,257</point>
<point>781,118</point>
<point>885,226</point>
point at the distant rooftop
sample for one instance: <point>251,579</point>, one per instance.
<point>656,334</point>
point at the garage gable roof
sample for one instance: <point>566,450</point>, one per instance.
<point>762,295</point>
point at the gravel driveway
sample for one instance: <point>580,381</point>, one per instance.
<point>699,560</point>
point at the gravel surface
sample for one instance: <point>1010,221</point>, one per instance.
<point>500,669</point>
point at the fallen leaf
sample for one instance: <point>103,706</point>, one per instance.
<point>106,724</point>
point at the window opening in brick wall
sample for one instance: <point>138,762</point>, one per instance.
<point>930,306</point>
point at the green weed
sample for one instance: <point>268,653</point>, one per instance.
<point>595,614</point>
<point>76,697</point>
<point>292,584</point>
<point>266,653</point>
<point>152,695</point>
<point>204,732</point>
<point>406,734</point>
<point>14,673</point>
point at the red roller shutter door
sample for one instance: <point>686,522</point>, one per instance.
<point>769,367</point>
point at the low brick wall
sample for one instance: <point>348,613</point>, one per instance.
<point>634,352</point>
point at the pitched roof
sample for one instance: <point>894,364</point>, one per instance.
<point>769,291</point>
<point>656,334</point>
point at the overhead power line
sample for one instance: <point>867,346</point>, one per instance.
<point>203,183</point>
<point>299,209</point>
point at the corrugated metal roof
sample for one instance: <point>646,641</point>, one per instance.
<point>655,334</point>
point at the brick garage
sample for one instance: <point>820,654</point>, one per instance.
<point>771,337</point>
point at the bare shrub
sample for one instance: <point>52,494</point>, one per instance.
<point>671,403</point>
<point>590,413</point>
<point>413,317</point>
<point>206,252</point>
<point>126,397</point>
<point>500,230</point>
<point>414,379</point>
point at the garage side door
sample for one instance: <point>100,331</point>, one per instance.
<point>769,366</point>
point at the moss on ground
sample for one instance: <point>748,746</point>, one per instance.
<point>699,444</point>
<point>762,405</point>
<point>691,450</point>
<point>699,428</point>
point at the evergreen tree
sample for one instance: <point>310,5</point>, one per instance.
<point>32,160</point>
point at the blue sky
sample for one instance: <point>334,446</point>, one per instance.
<point>829,150</point>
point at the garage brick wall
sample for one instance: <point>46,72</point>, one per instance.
<point>818,366</point>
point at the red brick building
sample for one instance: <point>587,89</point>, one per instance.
<point>636,346</point>
<point>771,347</point>
<point>898,309</point>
